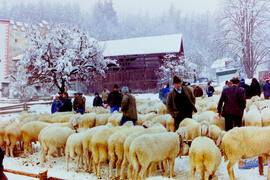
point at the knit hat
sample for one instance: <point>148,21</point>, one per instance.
<point>242,80</point>
<point>176,79</point>
<point>125,89</point>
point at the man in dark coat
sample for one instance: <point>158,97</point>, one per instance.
<point>79,103</point>
<point>245,86</point>
<point>234,100</point>
<point>64,102</point>
<point>198,92</point>
<point>128,107</point>
<point>180,102</point>
<point>254,88</point>
<point>97,100</point>
<point>115,99</point>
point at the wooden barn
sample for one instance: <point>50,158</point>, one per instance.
<point>138,59</point>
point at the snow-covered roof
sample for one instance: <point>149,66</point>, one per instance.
<point>220,63</point>
<point>19,57</point>
<point>143,45</point>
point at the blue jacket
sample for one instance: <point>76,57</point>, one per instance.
<point>266,89</point>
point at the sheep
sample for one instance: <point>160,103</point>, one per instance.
<point>116,147</point>
<point>87,139</point>
<point>204,157</point>
<point>115,119</point>
<point>265,114</point>
<point>245,142</point>
<point>12,135</point>
<point>252,117</point>
<point>210,117</point>
<point>102,119</point>
<point>30,132</point>
<point>87,120</point>
<point>74,148</point>
<point>157,128</point>
<point>52,138</point>
<point>195,129</point>
<point>3,126</point>
<point>152,148</point>
<point>166,120</point>
<point>145,117</point>
<point>100,147</point>
<point>216,134</point>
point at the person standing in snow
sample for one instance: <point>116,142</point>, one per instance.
<point>128,107</point>
<point>245,86</point>
<point>254,88</point>
<point>266,88</point>
<point>114,99</point>
<point>198,92</point>
<point>209,89</point>
<point>180,102</point>
<point>55,105</point>
<point>79,103</point>
<point>104,95</point>
<point>166,90</point>
<point>231,104</point>
<point>97,100</point>
<point>64,102</point>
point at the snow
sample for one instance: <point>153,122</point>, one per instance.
<point>143,45</point>
<point>32,163</point>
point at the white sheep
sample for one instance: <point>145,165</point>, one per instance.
<point>87,139</point>
<point>166,120</point>
<point>102,119</point>
<point>74,148</point>
<point>204,157</point>
<point>99,147</point>
<point>153,148</point>
<point>245,142</point>
<point>156,128</point>
<point>116,147</point>
<point>252,117</point>
<point>3,126</point>
<point>265,114</point>
<point>53,138</point>
<point>87,120</point>
<point>194,129</point>
<point>30,132</point>
<point>115,118</point>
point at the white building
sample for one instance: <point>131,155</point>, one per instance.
<point>225,69</point>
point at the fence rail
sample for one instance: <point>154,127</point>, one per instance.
<point>41,176</point>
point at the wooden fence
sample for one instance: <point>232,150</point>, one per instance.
<point>41,176</point>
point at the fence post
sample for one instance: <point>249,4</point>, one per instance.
<point>25,106</point>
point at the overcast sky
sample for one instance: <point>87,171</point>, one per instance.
<point>156,7</point>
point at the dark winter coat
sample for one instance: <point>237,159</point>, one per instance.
<point>97,101</point>
<point>55,106</point>
<point>181,104</point>
<point>115,99</point>
<point>246,87</point>
<point>254,89</point>
<point>128,107</point>
<point>210,90</point>
<point>266,90</point>
<point>65,104</point>
<point>198,92</point>
<point>79,103</point>
<point>232,101</point>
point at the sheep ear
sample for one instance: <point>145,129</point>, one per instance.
<point>219,140</point>
<point>200,130</point>
<point>209,131</point>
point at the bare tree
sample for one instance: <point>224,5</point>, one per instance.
<point>243,28</point>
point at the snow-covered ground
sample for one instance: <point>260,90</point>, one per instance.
<point>32,163</point>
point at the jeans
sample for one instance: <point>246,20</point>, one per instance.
<point>114,108</point>
<point>125,119</point>
<point>81,111</point>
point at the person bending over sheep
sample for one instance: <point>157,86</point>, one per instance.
<point>128,107</point>
<point>234,99</point>
<point>180,102</point>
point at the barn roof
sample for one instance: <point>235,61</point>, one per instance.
<point>143,45</point>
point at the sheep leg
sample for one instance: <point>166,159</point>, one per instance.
<point>142,171</point>
<point>67,161</point>
<point>112,161</point>
<point>99,167</point>
<point>124,164</point>
<point>165,164</point>
<point>152,168</point>
<point>86,159</point>
<point>50,154</point>
<point>206,175</point>
<point>118,165</point>
<point>230,170</point>
<point>171,166</point>
<point>26,144</point>
<point>130,169</point>
<point>12,145</point>
<point>193,171</point>
<point>78,162</point>
<point>91,163</point>
<point>7,150</point>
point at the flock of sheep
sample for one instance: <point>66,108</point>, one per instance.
<point>135,152</point>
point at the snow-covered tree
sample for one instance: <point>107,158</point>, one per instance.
<point>176,65</point>
<point>63,55</point>
<point>244,25</point>
<point>19,87</point>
